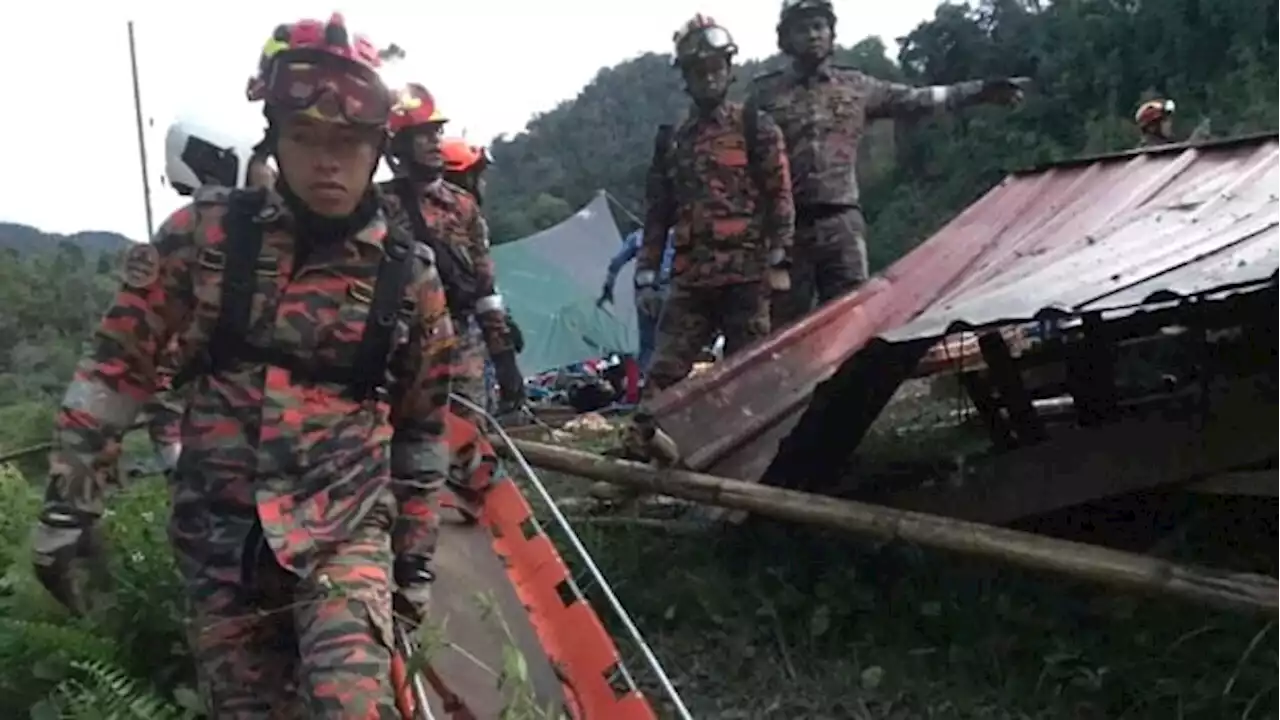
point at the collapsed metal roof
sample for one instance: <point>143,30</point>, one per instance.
<point>1119,233</point>
<point>1102,233</point>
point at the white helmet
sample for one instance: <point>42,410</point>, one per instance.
<point>197,155</point>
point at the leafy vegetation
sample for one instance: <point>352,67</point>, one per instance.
<point>775,623</point>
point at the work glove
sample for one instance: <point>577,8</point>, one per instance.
<point>606,295</point>
<point>649,301</point>
<point>510,381</point>
<point>413,576</point>
<point>515,334</point>
<point>69,555</point>
<point>1005,91</point>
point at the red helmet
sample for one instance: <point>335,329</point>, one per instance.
<point>415,106</point>
<point>305,62</point>
<point>461,156</point>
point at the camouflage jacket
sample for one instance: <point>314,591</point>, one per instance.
<point>728,216</point>
<point>453,216</point>
<point>823,116</point>
<point>302,459</point>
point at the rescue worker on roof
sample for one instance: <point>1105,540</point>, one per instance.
<point>195,157</point>
<point>722,183</point>
<point>823,109</point>
<point>1154,119</point>
<point>301,475</point>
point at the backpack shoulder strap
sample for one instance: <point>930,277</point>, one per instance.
<point>243,246</point>
<point>241,249</point>
<point>373,355</point>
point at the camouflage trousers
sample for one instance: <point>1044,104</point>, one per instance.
<point>693,315</point>
<point>829,260</point>
<point>472,353</point>
<point>269,645</point>
<point>463,425</point>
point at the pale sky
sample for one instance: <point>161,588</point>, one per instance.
<point>68,141</point>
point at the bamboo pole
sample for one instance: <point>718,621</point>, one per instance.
<point>1236,591</point>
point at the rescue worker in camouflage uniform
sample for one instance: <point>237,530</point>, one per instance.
<point>196,156</point>
<point>727,192</point>
<point>313,437</point>
<point>457,232</point>
<point>464,166</point>
<point>449,221</point>
<point>823,109</point>
<point>1154,119</point>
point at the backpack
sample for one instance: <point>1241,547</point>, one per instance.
<point>228,343</point>
<point>461,288</point>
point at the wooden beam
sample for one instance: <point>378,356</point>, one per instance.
<point>1239,591</point>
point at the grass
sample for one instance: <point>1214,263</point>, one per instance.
<point>771,621</point>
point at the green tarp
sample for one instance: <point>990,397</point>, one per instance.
<point>551,280</point>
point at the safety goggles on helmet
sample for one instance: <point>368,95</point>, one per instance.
<point>320,84</point>
<point>703,42</point>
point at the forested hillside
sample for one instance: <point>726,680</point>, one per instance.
<point>747,631</point>
<point>25,239</point>
<point>1092,62</point>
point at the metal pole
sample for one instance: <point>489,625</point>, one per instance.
<point>142,138</point>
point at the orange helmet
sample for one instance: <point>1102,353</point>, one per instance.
<point>1152,112</point>
<point>415,106</point>
<point>461,156</point>
<point>307,61</point>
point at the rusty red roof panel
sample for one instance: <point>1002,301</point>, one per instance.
<point>1094,233</point>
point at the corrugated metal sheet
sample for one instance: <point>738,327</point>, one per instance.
<point>1096,233</point>
<point>1152,226</point>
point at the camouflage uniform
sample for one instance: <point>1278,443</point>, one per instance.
<point>453,216</point>
<point>728,217</point>
<point>823,116</point>
<point>289,499</point>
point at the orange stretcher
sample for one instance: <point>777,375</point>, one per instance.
<point>496,546</point>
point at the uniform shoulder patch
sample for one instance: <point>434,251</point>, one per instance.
<point>141,266</point>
